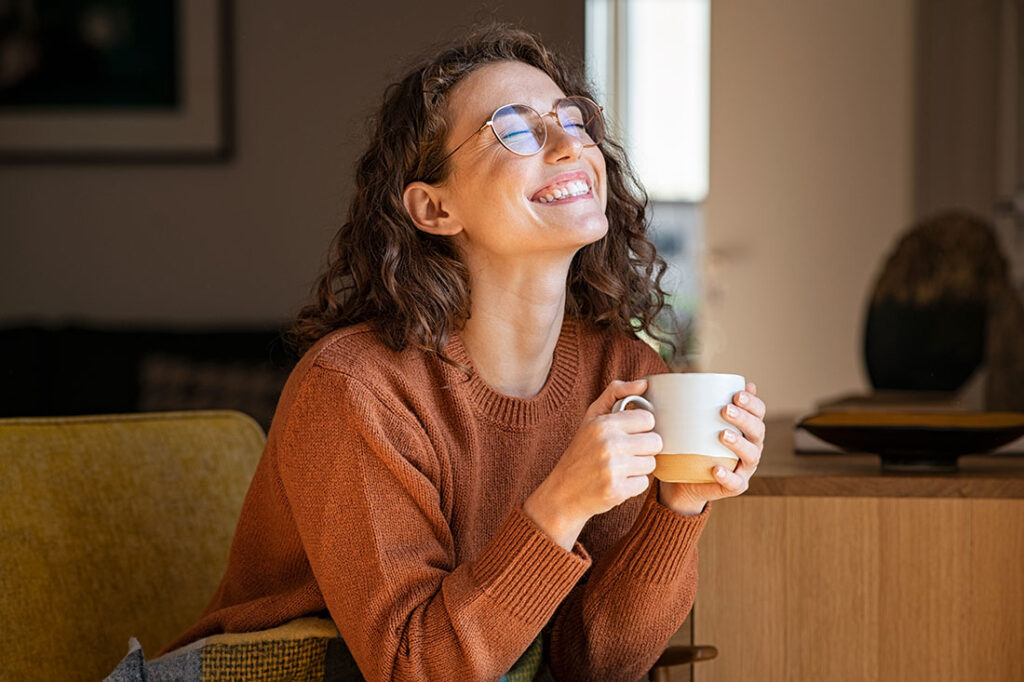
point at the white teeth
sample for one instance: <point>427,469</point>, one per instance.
<point>570,189</point>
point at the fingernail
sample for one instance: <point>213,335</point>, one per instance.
<point>719,471</point>
<point>744,398</point>
<point>729,436</point>
<point>731,411</point>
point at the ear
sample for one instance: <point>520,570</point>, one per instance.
<point>426,206</point>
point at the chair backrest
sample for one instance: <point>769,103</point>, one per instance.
<point>113,527</point>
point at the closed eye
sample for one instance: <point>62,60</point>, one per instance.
<point>515,134</point>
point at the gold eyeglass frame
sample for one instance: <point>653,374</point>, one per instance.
<point>489,123</point>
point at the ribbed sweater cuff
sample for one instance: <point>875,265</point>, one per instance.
<point>661,541</point>
<point>526,572</point>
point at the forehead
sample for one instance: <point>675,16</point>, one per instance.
<point>489,87</point>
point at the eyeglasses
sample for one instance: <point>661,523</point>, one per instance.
<point>521,129</point>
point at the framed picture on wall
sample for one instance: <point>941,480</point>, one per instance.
<point>115,80</point>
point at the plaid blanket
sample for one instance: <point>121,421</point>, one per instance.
<point>306,650</point>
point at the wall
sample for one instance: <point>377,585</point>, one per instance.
<point>238,242</point>
<point>955,135</point>
<point>811,150</point>
<point>810,182</point>
<point>969,123</point>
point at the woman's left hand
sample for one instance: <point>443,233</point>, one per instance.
<point>746,413</point>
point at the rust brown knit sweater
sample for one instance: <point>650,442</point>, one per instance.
<point>390,493</point>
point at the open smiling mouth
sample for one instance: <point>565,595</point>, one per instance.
<point>563,193</point>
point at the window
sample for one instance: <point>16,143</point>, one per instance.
<point>650,63</point>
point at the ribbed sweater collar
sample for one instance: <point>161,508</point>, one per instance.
<point>523,412</point>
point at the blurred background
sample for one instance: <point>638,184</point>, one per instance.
<point>156,237</point>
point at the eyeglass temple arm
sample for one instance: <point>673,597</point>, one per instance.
<point>461,145</point>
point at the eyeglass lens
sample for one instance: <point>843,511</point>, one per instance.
<point>522,130</point>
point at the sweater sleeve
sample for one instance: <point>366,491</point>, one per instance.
<point>615,624</point>
<point>362,482</point>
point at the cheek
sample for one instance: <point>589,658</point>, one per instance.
<point>501,178</point>
<point>597,160</point>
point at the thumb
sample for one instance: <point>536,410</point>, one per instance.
<point>616,390</point>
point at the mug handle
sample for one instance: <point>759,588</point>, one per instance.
<point>621,404</point>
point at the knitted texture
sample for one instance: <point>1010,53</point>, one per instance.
<point>299,661</point>
<point>390,494</point>
<point>308,649</point>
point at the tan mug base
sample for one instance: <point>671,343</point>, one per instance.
<point>690,468</point>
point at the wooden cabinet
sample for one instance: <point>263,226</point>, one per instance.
<point>819,588</point>
<point>814,575</point>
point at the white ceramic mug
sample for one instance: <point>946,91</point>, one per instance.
<point>687,412</point>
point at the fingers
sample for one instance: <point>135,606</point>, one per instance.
<point>642,465</point>
<point>747,414</point>
<point>615,391</point>
<point>749,453</point>
<point>732,482</point>
<point>645,444</point>
<point>749,424</point>
<point>629,420</point>
<point>749,401</point>
<point>635,452</point>
<point>726,484</point>
<point>634,485</point>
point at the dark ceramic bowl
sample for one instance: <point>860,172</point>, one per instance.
<point>908,441</point>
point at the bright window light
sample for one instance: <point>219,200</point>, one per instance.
<point>650,61</point>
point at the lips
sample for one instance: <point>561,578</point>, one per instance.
<point>563,186</point>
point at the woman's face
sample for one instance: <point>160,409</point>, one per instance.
<point>496,195</point>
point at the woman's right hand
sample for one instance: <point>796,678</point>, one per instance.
<point>607,462</point>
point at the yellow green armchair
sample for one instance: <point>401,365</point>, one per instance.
<point>119,526</point>
<point>113,527</point>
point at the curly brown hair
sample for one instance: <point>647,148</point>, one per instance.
<point>411,285</point>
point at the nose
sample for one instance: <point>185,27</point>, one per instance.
<point>561,145</point>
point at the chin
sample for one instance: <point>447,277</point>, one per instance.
<point>574,231</point>
<point>594,228</point>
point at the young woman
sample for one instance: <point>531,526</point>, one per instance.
<point>443,474</point>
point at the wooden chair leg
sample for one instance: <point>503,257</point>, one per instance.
<point>660,675</point>
<point>679,655</point>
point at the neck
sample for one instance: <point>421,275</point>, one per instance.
<point>515,320</point>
